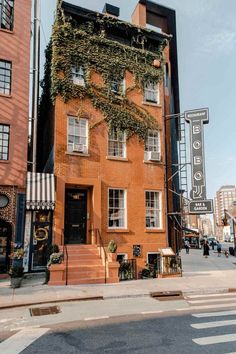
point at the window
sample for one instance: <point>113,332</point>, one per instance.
<point>5,77</point>
<point>78,75</point>
<point>116,143</point>
<point>4,142</point>
<point>118,86</point>
<point>77,140</point>
<point>6,14</point>
<point>153,209</point>
<point>151,92</point>
<point>116,208</point>
<point>152,146</point>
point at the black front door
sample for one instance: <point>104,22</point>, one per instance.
<point>5,239</point>
<point>75,216</point>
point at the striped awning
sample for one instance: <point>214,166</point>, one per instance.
<point>40,191</point>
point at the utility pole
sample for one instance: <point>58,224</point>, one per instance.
<point>35,81</point>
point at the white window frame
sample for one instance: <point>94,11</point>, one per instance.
<point>4,142</point>
<point>151,92</point>
<point>117,210</point>
<point>156,253</point>
<point>125,255</point>
<point>78,75</point>
<point>153,212</point>
<point>116,143</point>
<point>77,134</point>
<point>152,143</point>
<point>120,86</point>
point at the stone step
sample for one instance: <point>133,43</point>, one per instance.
<point>86,281</point>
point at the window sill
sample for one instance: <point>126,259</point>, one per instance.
<point>151,104</point>
<point>4,161</point>
<point>5,95</point>
<point>77,153</point>
<point>118,230</point>
<point>155,230</point>
<point>153,162</point>
<point>6,31</point>
<point>117,158</point>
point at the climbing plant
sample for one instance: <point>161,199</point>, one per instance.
<point>88,45</point>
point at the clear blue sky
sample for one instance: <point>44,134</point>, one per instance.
<point>206,39</point>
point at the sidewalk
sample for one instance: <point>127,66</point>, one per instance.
<point>200,275</point>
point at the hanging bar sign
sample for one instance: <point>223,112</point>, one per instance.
<point>196,118</point>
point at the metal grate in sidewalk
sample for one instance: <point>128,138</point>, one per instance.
<point>43,311</point>
<point>167,295</point>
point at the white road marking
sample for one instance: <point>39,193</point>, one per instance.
<point>214,314</point>
<point>210,300</point>
<point>213,324</point>
<point>215,339</point>
<point>209,295</point>
<point>206,307</point>
<point>95,318</point>
<point>150,312</point>
<point>21,340</point>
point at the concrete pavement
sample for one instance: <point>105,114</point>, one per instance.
<point>200,275</point>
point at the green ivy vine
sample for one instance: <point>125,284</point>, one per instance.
<point>89,45</point>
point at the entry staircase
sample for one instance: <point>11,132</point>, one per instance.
<point>84,265</point>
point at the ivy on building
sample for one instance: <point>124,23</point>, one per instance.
<point>88,45</point>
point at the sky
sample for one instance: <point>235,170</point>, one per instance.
<point>206,43</point>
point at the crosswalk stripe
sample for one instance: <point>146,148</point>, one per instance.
<point>209,295</point>
<point>215,339</point>
<point>214,314</point>
<point>206,307</point>
<point>21,340</point>
<point>210,300</point>
<point>213,324</point>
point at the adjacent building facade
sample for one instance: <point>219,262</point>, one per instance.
<point>224,200</point>
<point>106,136</point>
<point>15,26</point>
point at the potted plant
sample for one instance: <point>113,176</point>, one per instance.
<point>55,257</point>
<point>112,247</point>
<point>17,256</point>
<point>16,273</point>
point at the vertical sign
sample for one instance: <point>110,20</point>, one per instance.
<point>196,118</point>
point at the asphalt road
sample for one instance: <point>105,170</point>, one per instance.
<point>197,324</point>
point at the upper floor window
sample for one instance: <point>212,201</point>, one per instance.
<point>153,209</point>
<point>117,208</point>
<point>151,92</point>
<point>118,86</point>
<point>77,136</point>
<point>4,141</point>
<point>116,143</point>
<point>78,75</point>
<point>5,77</point>
<point>153,146</point>
<point>6,14</point>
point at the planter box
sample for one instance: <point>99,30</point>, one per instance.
<point>57,274</point>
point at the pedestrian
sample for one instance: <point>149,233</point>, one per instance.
<point>206,249</point>
<point>187,246</point>
<point>213,245</point>
<point>218,247</point>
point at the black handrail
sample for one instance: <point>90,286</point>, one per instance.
<point>101,246</point>
<point>65,252</point>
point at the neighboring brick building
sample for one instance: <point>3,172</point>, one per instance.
<point>15,26</point>
<point>106,139</point>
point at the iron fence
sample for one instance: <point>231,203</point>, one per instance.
<point>128,269</point>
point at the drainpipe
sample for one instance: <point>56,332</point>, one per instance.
<point>35,80</point>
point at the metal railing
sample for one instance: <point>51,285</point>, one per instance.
<point>169,265</point>
<point>99,243</point>
<point>128,269</point>
<point>65,253</point>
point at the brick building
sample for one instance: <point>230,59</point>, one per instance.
<point>15,26</point>
<point>106,136</point>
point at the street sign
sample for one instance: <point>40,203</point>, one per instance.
<point>196,118</point>
<point>200,206</point>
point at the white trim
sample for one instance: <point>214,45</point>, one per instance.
<point>125,209</point>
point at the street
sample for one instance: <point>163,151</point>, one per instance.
<point>203,321</point>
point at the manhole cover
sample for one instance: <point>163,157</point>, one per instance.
<point>42,311</point>
<point>167,295</point>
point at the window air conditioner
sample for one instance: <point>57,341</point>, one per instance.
<point>78,147</point>
<point>153,156</point>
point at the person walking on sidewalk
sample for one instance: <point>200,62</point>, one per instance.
<point>206,249</point>
<point>219,246</point>
<point>187,246</point>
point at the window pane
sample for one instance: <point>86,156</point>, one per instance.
<point>153,209</point>
<point>74,134</point>
<point>116,143</point>
<point>5,77</point>
<point>4,141</point>
<point>116,208</point>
